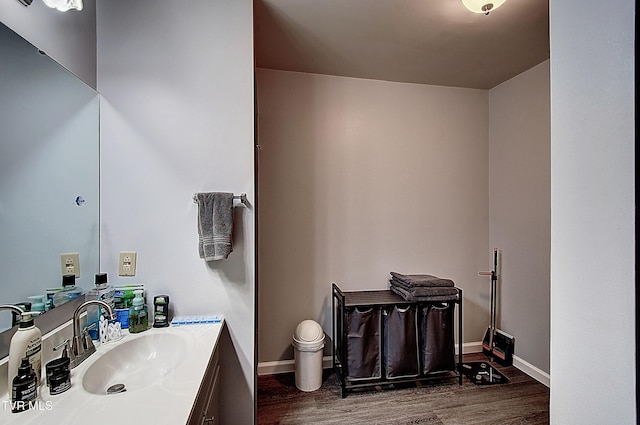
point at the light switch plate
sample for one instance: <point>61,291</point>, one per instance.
<point>70,263</point>
<point>127,263</point>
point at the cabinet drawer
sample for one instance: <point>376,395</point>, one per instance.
<point>206,407</point>
<point>211,415</point>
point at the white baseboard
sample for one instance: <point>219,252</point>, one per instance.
<point>273,368</point>
<point>287,366</point>
<point>537,374</point>
<point>471,347</point>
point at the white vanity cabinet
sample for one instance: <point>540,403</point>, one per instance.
<point>187,392</point>
<point>206,409</point>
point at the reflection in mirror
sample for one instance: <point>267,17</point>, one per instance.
<point>49,170</point>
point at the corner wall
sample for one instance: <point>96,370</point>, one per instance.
<point>177,118</point>
<point>361,177</point>
<point>593,270</point>
<point>519,209</point>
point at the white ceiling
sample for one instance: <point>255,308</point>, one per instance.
<point>436,42</point>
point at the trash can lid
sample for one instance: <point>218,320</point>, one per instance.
<point>308,331</point>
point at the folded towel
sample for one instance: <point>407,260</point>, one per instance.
<point>424,291</point>
<point>408,297</point>
<point>215,225</point>
<point>422,279</point>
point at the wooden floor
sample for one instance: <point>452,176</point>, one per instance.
<point>521,401</point>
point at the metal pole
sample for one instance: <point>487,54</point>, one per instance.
<point>494,280</point>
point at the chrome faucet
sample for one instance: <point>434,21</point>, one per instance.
<point>14,309</point>
<point>82,346</point>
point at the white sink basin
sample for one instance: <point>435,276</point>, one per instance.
<point>136,363</point>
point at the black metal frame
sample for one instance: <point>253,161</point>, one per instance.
<point>378,299</point>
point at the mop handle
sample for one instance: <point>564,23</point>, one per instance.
<point>494,277</point>
<point>494,307</point>
<point>493,273</point>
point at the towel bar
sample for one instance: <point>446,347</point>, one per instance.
<point>242,197</point>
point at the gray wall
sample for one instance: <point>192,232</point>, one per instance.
<point>177,118</point>
<point>520,197</point>
<point>361,177</point>
<point>593,355</point>
<point>69,38</point>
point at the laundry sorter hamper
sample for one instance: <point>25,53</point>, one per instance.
<point>380,339</point>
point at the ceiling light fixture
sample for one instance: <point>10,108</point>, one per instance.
<point>64,5</point>
<point>482,6</point>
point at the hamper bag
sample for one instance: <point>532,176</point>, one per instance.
<point>401,342</point>
<point>363,344</point>
<point>437,344</point>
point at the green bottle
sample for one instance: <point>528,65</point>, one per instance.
<point>138,315</point>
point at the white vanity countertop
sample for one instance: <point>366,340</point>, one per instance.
<point>167,401</point>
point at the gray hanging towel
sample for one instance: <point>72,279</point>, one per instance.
<point>215,225</point>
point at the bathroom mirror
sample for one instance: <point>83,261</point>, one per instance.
<point>49,173</point>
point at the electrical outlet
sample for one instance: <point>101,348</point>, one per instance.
<point>70,263</point>
<point>127,263</point>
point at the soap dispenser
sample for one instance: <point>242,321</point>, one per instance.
<point>26,342</point>
<point>138,317</point>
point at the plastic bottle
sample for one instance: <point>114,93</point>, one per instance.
<point>103,292</point>
<point>26,342</point>
<point>69,291</point>
<point>123,299</point>
<point>24,386</point>
<point>25,306</point>
<point>38,308</point>
<point>138,317</point>
<point>37,305</point>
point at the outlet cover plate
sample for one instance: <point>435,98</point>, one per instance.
<point>70,263</point>
<point>127,263</point>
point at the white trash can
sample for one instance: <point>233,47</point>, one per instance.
<point>308,342</point>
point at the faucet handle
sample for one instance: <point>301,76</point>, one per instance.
<point>89,327</point>
<point>87,342</point>
<point>65,345</point>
